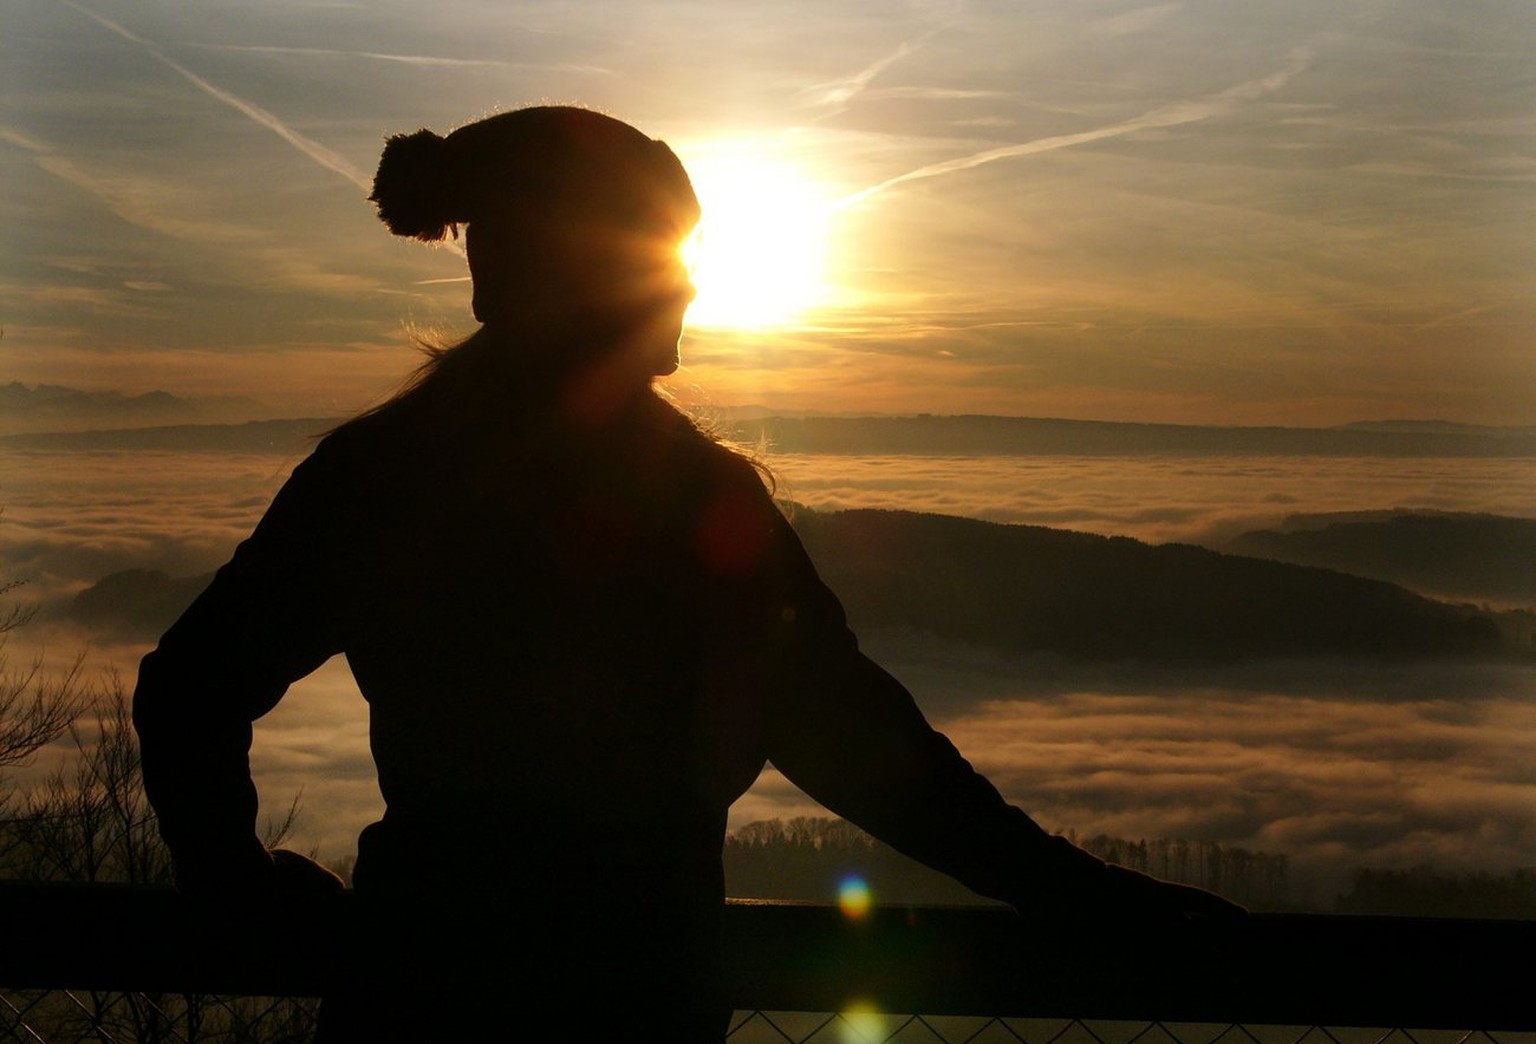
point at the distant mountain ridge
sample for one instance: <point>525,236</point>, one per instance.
<point>979,435</point>
<point>283,437</point>
<point>52,407</point>
<point>920,434</point>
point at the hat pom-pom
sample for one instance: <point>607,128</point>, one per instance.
<point>411,187</point>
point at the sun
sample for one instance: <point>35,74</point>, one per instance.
<point>759,255</point>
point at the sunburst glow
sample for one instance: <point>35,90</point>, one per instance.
<point>759,256</point>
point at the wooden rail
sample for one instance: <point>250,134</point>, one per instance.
<point>1270,969</point>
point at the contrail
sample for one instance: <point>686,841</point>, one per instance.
<point>1167,116</point>
<point>841,92</point>
<point>411,59</point>
<point>325,157</point>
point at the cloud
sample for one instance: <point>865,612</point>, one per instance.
<point>1174,115</point>
<point>1330,782</point>
<point>836,94</point>
<point>1154,499</point>
<point>1138,20</point>
<point>71,519</point>
<point>1333,765</point>
<point>414,59</point>
<point>930,94</point>
<point>160,207</point>
<point>320,154</point>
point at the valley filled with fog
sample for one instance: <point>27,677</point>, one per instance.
<point>1334,757</point>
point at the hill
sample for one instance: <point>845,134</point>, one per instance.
<point>1033,589</point>
<point>1480,557</point>
<point>1030,589</point>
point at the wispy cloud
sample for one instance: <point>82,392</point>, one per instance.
<point>1177,114</point>
<point>412,59</point>
<point>314,150</point>
<point>132,201</point>
<point>837,94</point>
<point>1134,21</point>
<point>932,94</point>
<point>156,207</point>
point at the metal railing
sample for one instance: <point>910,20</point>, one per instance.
<point>130,964</point>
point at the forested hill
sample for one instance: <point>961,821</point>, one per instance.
<point>1033,589</point>
<point>1452,555</point>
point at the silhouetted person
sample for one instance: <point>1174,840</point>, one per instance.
<point>581,624</point>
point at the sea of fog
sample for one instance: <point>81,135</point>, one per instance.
<point>1334,765</point>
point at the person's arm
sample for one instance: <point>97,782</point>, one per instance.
<point>852,737</point>
<point>265,621</point>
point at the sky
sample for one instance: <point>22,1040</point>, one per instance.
<point>1204,212</point>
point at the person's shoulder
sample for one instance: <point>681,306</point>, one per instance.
<point>362,436</point>
<point>345,464</point>
<point>717,455</point>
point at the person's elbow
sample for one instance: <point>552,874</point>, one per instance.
<point>162,695</point>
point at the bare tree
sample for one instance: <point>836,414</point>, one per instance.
<point>88,821</point>
<point>35,708</point>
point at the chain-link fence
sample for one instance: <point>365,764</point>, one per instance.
<point>144,966</point>
<point>75,1017</point>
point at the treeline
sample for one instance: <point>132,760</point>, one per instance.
<point>1426,892</point>
<point>1258,880</point>
<point>807,858</point>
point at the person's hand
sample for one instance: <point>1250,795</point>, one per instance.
<point>1073,885</point>
<point>301,876</point>
<point>1137,896</point>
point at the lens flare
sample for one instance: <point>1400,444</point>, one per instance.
<point>853,896</point>
<point>861,1023</point>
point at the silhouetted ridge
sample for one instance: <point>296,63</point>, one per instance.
<point>1032,589</point>
<point>135,603</point>
<point>1460,555</point>
<point>1424,891</point>
<point>269,436</point>
<point>1004,436</point>
<point>921,435</point>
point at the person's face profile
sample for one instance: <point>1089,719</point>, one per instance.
<point>675,292</point>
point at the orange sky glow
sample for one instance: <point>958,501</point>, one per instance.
<point>1199,212</point>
